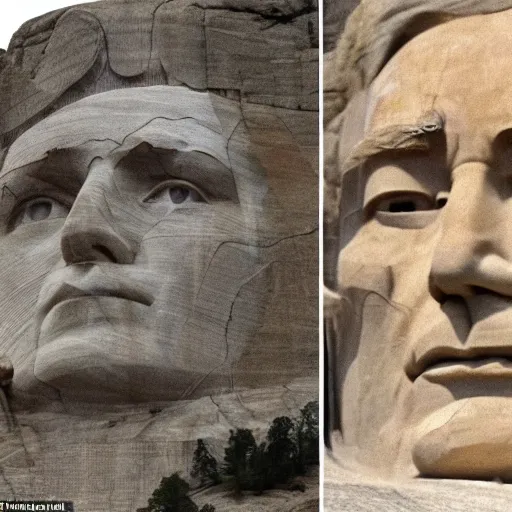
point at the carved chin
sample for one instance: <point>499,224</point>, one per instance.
<point>80,373</point>
<point>102,349</point>
<point>468,439</point>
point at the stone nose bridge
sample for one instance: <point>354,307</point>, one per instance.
<point>92,232</point>
<point>474,249</point>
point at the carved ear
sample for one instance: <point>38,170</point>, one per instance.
<point>71,51</point>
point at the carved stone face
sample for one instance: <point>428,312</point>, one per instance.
<point>131,225</point>
<point>426,333</point>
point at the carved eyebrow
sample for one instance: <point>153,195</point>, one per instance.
<point>203,169</point>
<point>41,158</point>
<point>402,138</point>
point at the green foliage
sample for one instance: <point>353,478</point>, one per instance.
<point>207,508</point>
<point>259,469</point>
<point>291,446</point>
<point>306,436</point>
<point>311,434</point>
<point>172,496</point>
<point>204,465</point>
<point>281,451</point>
<point>237,457</point>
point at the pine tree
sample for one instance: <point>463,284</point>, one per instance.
<point>311,432</point>
<point>306,435</point>
<point>281,449</point>
<point>207,508</point>
<point>259,469</point>
<point>172,496</point>
<point>237,457</point>
<point>204,465</point>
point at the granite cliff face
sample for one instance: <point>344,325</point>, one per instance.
<point>158,238</point>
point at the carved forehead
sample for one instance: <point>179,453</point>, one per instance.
<point>462,65</point>
<point>167,117</point>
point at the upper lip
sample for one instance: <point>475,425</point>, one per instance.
<point>94,280</point>
<point>440,354</point>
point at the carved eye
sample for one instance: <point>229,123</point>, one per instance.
<point>176,192</point>
<point>38,209</point>
<point>404,202</point>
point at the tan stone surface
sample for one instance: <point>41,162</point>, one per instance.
<point>348,493</point>
<point>418,251</point>
<point>158,239</point>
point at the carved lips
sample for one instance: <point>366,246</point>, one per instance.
<point>477,359</point>
<point>473,340</point>
<point>481,368</point>
<point>95,280</point>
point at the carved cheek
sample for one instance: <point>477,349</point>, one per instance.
<point>21,277</point>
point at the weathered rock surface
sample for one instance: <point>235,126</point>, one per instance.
<point>158,239</point>
<point>106,459</point>
<point>269,501</point>
<point>336,13</point>
<point>418,256</point>
<point>259,52</point>
<point>351,493</point>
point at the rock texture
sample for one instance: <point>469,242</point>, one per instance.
<point>349,493</point>
<point>336,13</point>
<point>275,499</point>
<point>158,238</point>
<point>418,248</point>
<point>113,458</point>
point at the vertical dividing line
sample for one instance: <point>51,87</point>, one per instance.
<point>321,355</point>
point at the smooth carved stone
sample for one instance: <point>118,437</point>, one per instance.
<point>344,492</point>
<point>455,442</point>
<point>418,244</point>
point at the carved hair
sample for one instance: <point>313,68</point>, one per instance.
<point>71,53</point>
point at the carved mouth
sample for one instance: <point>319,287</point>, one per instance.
<point>444,363</point>
<point>95,285</point>
<point>476,369</point>
<point>68,292</point>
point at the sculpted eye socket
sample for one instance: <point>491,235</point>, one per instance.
<point>403,202</point>
<point>38,209</point>
<point>176,192</point>
<point>406,210</point>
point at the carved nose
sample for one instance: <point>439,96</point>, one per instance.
<point>473,253</point>
<point>91,232</point>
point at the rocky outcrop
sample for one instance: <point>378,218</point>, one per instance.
<point>159,238</point>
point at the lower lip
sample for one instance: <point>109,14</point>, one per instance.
<point>84,312</point>
<point>478,369</point>
<point>96,298</point>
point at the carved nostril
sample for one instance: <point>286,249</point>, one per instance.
<point>441,202</point>
<point>105,251</point>
<point>478,290</point>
